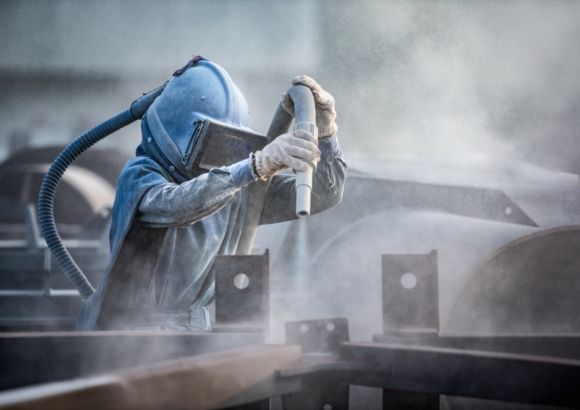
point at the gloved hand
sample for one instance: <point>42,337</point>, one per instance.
<point>294,150</point>
<point>325,113</point>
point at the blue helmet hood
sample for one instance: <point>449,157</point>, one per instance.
<point>204,91</point>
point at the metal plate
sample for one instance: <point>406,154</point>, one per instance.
<point>318,336</point>
<point>410,292</point>
<point>242,288</point>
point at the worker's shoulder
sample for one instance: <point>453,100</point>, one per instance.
<point>143,167</point>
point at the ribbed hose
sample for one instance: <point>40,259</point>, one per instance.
<point>48,189</point>
<point>52,178</point>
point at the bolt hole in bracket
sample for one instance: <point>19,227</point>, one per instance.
<point>410,294</point>
<point>318,336</point>
<point>408,280</point>
<point>241,281</point>
<point>242,292</point>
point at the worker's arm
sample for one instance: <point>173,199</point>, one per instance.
<point>328,180</point>
<point>327,186</point>
<point>170,204</point>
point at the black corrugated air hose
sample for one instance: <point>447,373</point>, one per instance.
<point>57,169</point>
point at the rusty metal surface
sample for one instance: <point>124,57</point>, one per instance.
<point>203,382</point>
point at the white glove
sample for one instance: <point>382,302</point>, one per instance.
<point>324,102</point>
<point>297,150</point>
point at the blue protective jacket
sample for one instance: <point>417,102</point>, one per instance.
<point>165,233</point>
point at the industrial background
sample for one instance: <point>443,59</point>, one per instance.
<point>459,121</point>
<point>464,81</point>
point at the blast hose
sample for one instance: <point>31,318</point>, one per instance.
<point>305,112</point>
<point>305,120</point>
<point>52,178</point>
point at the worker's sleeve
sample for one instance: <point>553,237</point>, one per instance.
<point>170,204</point>
<point>327,186</point>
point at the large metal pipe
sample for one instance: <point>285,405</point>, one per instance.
<point>305,120</point>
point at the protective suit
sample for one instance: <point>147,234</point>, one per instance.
<point>168,225</point>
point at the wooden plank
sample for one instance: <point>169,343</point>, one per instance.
<point>198,382</point>
<point>34,358</point>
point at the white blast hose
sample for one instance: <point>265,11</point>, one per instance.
<point>305,120</point>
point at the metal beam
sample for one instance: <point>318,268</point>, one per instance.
<point>497,376</point>
<point>397,400</point>
<point>199,382</point>
<point>487,375</point>
<point>566,346</point>
<point>33,358</point>
<point>271,387</point>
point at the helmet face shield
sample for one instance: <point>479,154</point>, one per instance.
<point>200,121</point>
<point>217,144</point>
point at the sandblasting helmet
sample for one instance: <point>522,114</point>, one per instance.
<point>193,105</point>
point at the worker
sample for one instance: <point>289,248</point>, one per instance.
<point>169,224</point>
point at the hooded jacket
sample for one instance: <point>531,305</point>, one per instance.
<point>165,232</point>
